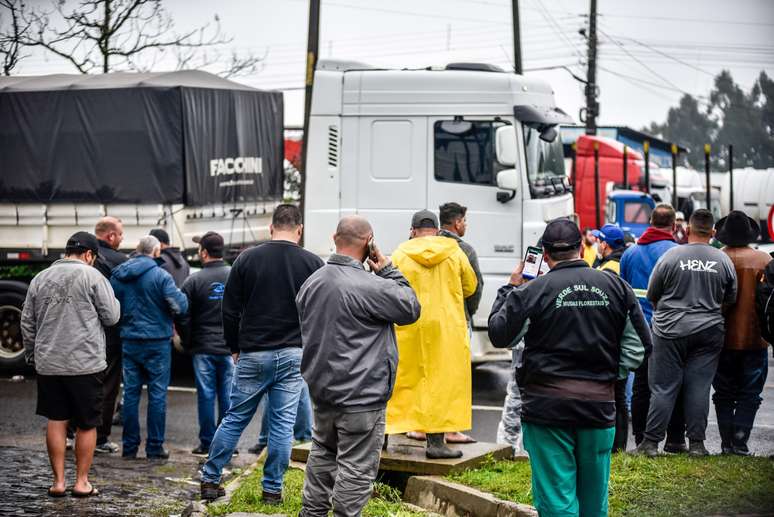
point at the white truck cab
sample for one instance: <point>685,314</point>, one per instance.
<point>386,143</point>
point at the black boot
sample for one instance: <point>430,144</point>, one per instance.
<point>437,449</point>
<point>739,441</point>
<point>696,448</point>
<point>726,437</point>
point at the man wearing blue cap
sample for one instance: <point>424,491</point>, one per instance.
<point>611,246</point>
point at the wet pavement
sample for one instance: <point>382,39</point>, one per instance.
<point>162,488</point>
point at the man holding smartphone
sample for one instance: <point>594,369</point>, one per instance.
<point>583,329</point>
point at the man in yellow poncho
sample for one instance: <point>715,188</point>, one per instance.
<point>433,386</point>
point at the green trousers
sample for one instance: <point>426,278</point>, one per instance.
<point>570,469</point>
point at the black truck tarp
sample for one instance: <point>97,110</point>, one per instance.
<point>178,137</point>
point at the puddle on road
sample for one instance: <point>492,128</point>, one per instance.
<point>127,487</point>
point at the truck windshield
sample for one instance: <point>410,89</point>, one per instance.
<point>545,165</point>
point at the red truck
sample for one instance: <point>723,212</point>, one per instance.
<point>610,176</point>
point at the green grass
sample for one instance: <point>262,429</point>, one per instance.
<point>665,486</point>
<point>247,498</point>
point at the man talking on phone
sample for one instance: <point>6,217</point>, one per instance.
<point>584,329</point>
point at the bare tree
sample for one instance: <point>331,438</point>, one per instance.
<point>106,35</point>
<point>12,37</point>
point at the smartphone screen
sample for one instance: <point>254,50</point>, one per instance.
<point>532,261</point>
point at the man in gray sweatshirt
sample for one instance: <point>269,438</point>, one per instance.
<point>65,312</point>
<point>688,288</point>
<point>349,362</point>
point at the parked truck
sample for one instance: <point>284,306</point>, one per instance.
<point>386,143</point>
<point>186,151</point>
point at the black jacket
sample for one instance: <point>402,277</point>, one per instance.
<point>576,320</point>
<point>201,330</point>
<point>107,260</point>
<point>259,304</point>
<point>173,262</point>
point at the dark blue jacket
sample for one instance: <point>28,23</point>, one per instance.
<point>149,299</point>
<point>637,264</point>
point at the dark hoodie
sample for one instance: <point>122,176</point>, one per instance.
<point>172,261</point>
<point>149,299</point>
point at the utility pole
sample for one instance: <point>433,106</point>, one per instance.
<point>517,64</point>
<point>312,48</point>
<point>592,107</point>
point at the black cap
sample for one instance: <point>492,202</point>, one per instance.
<point>424,219</point>
<point>561,234</point>
<point>212,242</point>
<point>82,241</point>
<point>161,235</point>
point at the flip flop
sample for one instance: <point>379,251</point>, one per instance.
<point>82,495</point>
<point>53,493</point>
<point>466,439</point>
<point>414,435</point>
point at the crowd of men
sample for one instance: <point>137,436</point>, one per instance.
<point>320,342</point>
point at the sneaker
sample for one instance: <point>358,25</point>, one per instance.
<point>163,454</point>
<point>201,450</point>
<point>675,448</point>
<point>235,453</point>
<point>106,448</point>
<point>256,449</point>
<point>647,448</point>
<point>69,444</point>
<point>696,448</point>
<point>211,491</point>
<point>271,498</point>
<point>129,455</point>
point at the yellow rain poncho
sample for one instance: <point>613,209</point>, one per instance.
<point>433,385</point>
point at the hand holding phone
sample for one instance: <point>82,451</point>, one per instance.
<point>533,260</point>
<point>376,261</point>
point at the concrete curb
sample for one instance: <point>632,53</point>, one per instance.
<point>451,499</point>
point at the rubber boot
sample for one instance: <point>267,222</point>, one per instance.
<point>437,449</point>
<point>726,437</point>
<point>739,441</point>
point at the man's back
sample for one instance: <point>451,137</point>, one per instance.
<point>203,332</point>
<point>173,262</point>
<point>259,308</point>
<point>688,286</point>
<point>149,299</point>
<point>743,330</point>
<point>637,264</point>
<point>65,310</point>
<point>347,316</point>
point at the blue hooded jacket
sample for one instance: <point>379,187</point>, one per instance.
<point>149,299</point>
<point>637,264</point>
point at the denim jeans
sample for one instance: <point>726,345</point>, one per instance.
<point>276,374</point>
<point>302,430</point>
<point>145,362</point>
<point>738,384</point>
<point>213,381</point>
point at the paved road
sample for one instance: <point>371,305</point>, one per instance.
<point>157,488</point>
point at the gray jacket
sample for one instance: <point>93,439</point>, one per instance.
<point>347,315</point>
<point>471,302</point>
<point>62,322</point>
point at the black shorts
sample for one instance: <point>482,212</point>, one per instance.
<point>77,398</point>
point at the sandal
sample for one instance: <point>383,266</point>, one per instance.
<point>416,435</point>
<point>82,495</point>
<point>54,493</point>
<point>460,438</point>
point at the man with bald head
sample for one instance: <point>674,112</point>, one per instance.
<point>350,358</point>
<point>110,234</point>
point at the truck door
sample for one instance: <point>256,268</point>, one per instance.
<point>463,168</point>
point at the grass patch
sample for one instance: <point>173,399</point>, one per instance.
<point>665,486</point>
<point>247,498</point>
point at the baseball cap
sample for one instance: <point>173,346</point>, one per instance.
<point>561,234</point>
<point>424,219</point>
<point>82,241</point>
<point>161,235</point>
<point>611,234</point>
<point>211,241</point>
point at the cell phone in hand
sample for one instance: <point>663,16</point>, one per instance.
<point>532,262</point>
<point>372,249</point>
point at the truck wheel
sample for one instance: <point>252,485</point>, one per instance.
<point>12,296</point>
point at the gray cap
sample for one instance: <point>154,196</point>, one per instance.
<point>424,219</point>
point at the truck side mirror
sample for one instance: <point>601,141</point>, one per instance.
<point>505,146</point>
<point>507,180</point>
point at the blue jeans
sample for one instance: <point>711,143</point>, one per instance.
<point>302,430</point>
<point>145,362</point>
<point>276,374</point>
<point>213,380</point>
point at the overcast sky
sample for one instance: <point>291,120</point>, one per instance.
<point>650,51</point>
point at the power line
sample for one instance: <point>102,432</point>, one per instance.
<point>690,20</point>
